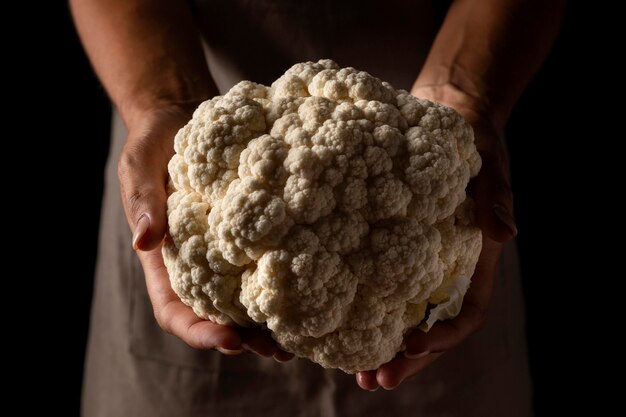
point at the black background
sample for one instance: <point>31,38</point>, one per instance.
<point>544,137</point>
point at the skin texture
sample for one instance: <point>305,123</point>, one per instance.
<point>149,58</point>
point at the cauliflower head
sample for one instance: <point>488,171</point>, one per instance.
<point>329,208</point>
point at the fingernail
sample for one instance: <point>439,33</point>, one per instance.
<point>282,356</point>
<point>281,360</point>
<point>506,218</point>
<point>410,355</point>
<point>264,354</point>
<point>229,351</point>
<point>362,384</point>
<point>140,230</point>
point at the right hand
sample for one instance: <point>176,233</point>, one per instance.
<point>143,177</point>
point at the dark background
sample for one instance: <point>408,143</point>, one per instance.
<point>543,136</point>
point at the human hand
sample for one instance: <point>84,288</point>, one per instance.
<point>494,204</point>
<point>143,177</point>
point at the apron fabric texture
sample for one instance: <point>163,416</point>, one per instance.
<point>135,369</point>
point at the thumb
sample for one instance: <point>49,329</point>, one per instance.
<point>142,177</point>
<point>494,201</point>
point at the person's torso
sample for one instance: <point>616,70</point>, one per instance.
<point>260,39</point>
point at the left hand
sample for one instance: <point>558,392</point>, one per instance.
<point>494,207</point>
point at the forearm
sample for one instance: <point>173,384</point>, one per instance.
<point>487,51</point>
<point>147,54</point>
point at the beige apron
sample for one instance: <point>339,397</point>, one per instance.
<point>134,369</point>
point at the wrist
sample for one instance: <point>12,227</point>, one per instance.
<point>157,124</point>
<point>159,114</point>
<point>474,108</point>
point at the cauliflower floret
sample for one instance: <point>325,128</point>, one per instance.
<point>200,275</point>
<point>329,208</point>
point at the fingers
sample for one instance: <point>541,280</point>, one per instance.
<point>445,335</point>
<point>259,341</point>
<point>143,175</point>
<point>422,348</point>
<point>178,319</point>
<point>391,374</point>
<point>494,202</point>
<point>282,356</point>
<point>491,188</point>
<point>367,380</point>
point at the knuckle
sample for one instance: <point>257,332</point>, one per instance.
<point>128,163</point>
<point>507,197</point>
<point>494,160</point>
<point>479,316</point>
<point>138,186</point>
<point>134,196</point>
<point>163,321</point>
<point>505,187</point>
<point>134,201</point>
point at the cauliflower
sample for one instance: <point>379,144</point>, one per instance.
<point>329,208</point>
